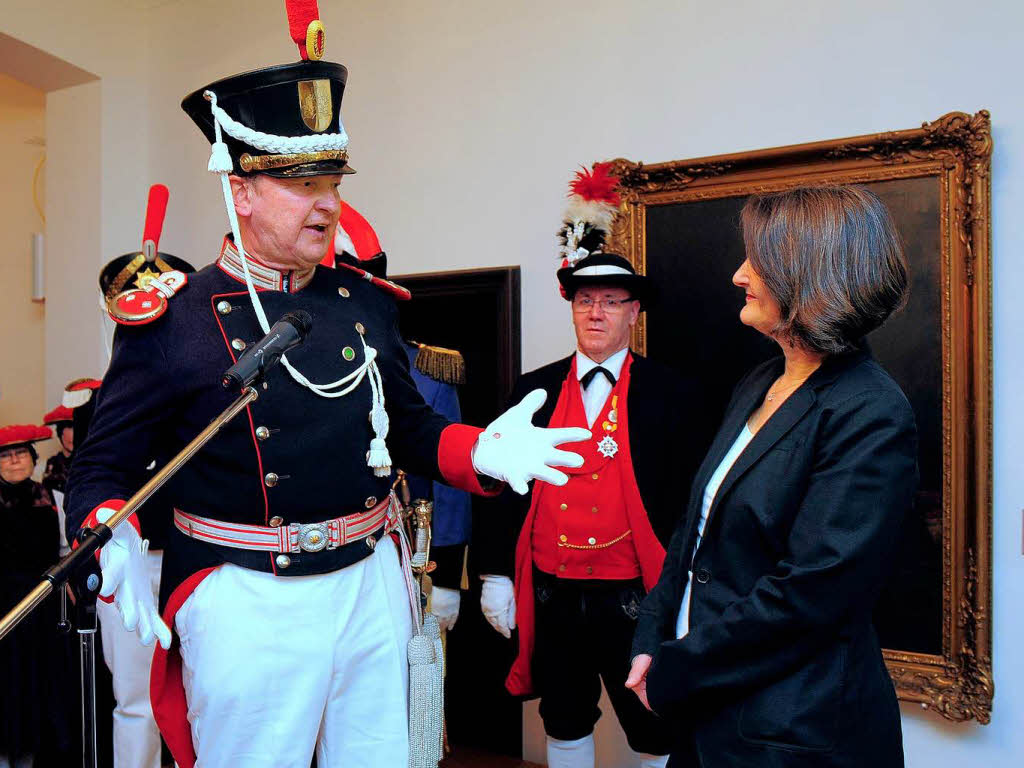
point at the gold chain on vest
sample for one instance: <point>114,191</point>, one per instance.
<point>616,540</point>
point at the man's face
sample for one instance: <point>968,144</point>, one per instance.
<point>67,439</point>
<point>16,464</point>
<point>288,223</point>
<point>603,317</point>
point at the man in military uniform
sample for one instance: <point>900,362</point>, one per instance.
<point>588,551</point>
<point>281,577</point>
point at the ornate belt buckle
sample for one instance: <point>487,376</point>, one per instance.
<point>313,537</point>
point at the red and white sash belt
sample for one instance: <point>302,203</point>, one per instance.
<point>294,537</point>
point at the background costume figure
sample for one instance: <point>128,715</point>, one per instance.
<point>55,477</point>
<point>588,552</point>
<point>436,372</point>
<point>136,738</point>
<point>281,576</point>
<point>38,688</point>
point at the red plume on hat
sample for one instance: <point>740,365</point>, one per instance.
<point>305,27</point>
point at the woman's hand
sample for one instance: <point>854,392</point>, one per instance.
<point>637,680</point>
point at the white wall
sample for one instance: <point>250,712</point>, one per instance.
<point>22,120</point>
<point>467,119</point>
<point>98,161</point>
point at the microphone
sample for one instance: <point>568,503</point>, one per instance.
<point>288,332</point>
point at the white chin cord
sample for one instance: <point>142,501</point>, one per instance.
<point>220,163</point>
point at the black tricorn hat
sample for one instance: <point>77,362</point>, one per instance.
<point>134,270</point>
<point>606,269</point>
<point>299,101</point>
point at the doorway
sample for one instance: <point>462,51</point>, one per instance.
<point>478,313</point>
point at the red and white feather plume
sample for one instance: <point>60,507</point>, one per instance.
<point>593,203</point>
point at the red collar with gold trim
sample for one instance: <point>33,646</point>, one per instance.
<point>268,278</point>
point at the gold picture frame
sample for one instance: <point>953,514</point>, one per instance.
<point>677,222</point>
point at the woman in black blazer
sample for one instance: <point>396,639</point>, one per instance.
<point>757,641</point>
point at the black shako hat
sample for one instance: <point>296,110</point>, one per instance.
<point>290,104</point>
<point>137,270</point>
<point>283,121</point>
<point>605,269</point>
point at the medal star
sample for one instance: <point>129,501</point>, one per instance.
<point>144,277</point>
<point>607,447</point>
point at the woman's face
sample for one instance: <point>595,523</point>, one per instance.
<point>760,310</point>
<point>15,464</point>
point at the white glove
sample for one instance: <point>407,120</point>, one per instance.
<point>498,603</point>
<point>444,604</point>
<point>126,577</point>
<point>513,450</point>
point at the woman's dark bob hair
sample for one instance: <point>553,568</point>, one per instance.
<point>832,259</point>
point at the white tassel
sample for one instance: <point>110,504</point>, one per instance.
<point>432,629</point>
<point>379,458</point>
<point>220,159</point>
<point>426,699</point>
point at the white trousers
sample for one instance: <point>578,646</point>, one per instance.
<point>136,737</point>
<point>275,668</point>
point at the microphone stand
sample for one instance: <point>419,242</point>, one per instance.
<point>80,568</point>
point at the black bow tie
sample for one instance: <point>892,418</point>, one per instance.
<point>589,376</point>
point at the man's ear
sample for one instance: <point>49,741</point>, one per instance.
<point>634,312</point>
<point>241,193</point>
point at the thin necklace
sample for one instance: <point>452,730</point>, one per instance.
<point>773,393</point>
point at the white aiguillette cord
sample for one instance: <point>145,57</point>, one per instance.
<point>220,163</point>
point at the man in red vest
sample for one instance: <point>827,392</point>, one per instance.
<point>588,551</point>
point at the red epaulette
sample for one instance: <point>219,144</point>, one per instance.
<point>143,306</point>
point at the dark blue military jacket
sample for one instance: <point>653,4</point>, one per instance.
<point>292,455</point>
<point>452,521</point>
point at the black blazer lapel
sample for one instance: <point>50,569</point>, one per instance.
<point>742,405</point>
<point>774,429</point>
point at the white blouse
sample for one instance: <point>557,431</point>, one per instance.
<point>744,438</point>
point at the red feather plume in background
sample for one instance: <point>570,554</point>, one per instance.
<point>597,185</point>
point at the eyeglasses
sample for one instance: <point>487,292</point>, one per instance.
<point>14,454</point>
<point>611,306</point>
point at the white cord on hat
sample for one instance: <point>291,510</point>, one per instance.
<point>268,142</point>
<point>220,163</point>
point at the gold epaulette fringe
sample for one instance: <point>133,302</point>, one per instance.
<point>442,364</point>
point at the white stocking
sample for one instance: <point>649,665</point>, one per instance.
<point>578,753</point>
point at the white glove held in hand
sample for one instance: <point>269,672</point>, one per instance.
<point>444,604</point>
<point>498,603</point>
<point>513,450</point>
<point>126,577</point>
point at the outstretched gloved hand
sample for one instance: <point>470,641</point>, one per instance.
<point>444,604</point>
<point>512,449</point>
<point>498,603</point>
<point>126,577</point>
